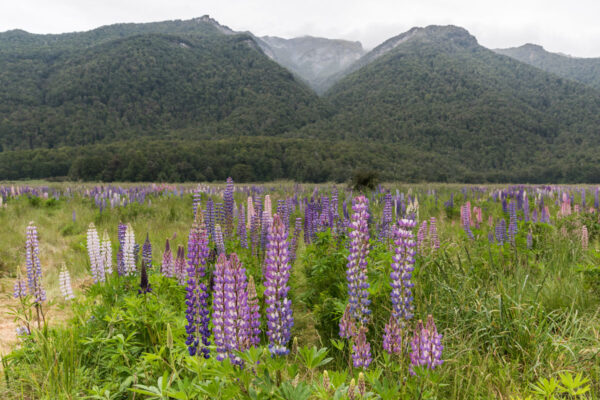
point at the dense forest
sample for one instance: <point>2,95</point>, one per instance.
<point>193,100</point>
<point>268,158</point>
<point>150,85</point>
<point>584,70</point>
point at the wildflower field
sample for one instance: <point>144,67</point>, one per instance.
<point>299,291</point>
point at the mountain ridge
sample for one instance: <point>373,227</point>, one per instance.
<point>580,69</point>
<point>428,104</point>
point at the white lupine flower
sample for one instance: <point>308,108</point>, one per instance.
<point>93,246</point>
<point>106,254</point>
<point>64,280</point>
<point>267,208</point>
<point>250,212</point>
<point>129,251</point>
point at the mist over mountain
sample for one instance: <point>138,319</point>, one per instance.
<point>195,100</point>
<point>313,59</point>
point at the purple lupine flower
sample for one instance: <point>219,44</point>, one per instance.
<point>345,209</point>
<point>74,217</point>
<point>218,303</point>
<point>277,273</point>
<point>196,200</point>
<point>282,212</point>
<point>426,346</point>
<point>34,266</point>
<point>307,222</point>
<point>219,214</point>
<point>525,206</point>
<point>386,220</point>
<point>241,229</point>
<point>196,292</point>
<point>435,241</point>
<point>120,258</point>
<point>167,269</point>
<point>93,247</point>
<point>254,310</point>
<point>237,310</point>
<point>501,232</point>
<point>20,289</point>
<point>512,225</point>
<point>421,236</point>
<point>255,233</point>
<point>334,203</point>
<point>402,267</point>
<point>465,219</point>
<point>180,270</point>
<point>147,252</point>
<point>356,268</point>
<point>219,240</point>
<point>529,240</point>
<point>490,237</point>
<point>392,337</point>
<point>361,350</point>
<point>228,208</point>
<point>295,239</point>
<point>210,219</point>
<point>347,326</point>
<point>545,217</point>
<point>596,198</point>
<point>145,286</point>
<point>64,281</point>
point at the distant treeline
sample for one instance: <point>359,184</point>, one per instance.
<point>265,159</point>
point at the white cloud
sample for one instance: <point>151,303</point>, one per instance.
<point>568,27</point>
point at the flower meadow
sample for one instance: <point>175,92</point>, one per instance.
<point>289,291</point>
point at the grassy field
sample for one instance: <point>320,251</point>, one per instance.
<point>516,318</point>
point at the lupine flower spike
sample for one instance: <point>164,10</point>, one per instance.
<point>237,310</point>
<point>361,349</point>
<point>64,281</point>
<point>167,268</point>
<point>254,309</point>
<point>277,273</point>
<point>106,254</point>
<point>93,247</point>
<point>147,252</point>
<point>347,326</point>
<point>196,291</point>
<point>180,266</point>
<point>129,251</point>
<point>356,268</point>
<point>426,346</point>
<point>34,267</point>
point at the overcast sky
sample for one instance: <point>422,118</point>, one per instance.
<point>571,27</point>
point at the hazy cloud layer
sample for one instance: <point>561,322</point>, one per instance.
<point>570,27</point>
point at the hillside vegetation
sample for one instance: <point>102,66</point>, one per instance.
<point>188,100</point>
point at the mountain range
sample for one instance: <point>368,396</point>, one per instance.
<point>195,100</point>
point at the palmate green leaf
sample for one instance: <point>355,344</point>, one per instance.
<point>313,358</point>
<point>545,387</point>
<point>302,391</point>
<point>573,385</point>
<point>155,392</point>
